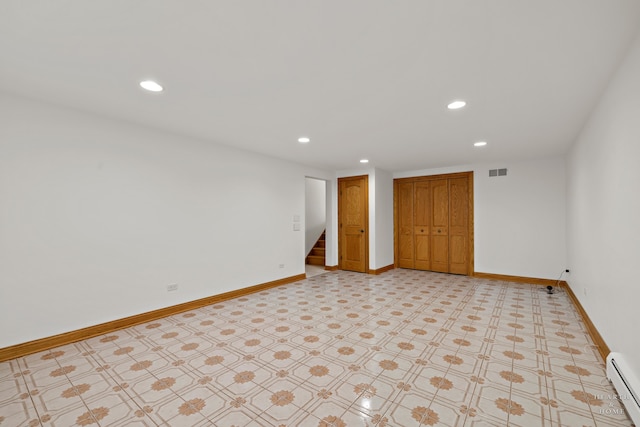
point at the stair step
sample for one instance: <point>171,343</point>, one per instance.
<point>317,254</point>
<point>315,260</point>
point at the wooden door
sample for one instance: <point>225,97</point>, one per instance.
<point>434,223</point>
<point>353,222</point>
<point>422,228</point>
<point>440,225</point>
<point>458,225</point>
<point>404,212</point>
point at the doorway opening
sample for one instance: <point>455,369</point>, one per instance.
<point>315,226</point>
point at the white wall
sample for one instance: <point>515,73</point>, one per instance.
<point>331,244</point>
<point>519,218</point>
<point>383,220</point>
<point>97,217</point>
<point>315,207</point>
<point>603,215</point>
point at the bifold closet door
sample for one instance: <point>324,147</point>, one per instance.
<point>414,225</point>
<point>458,225</point>
<point>433,223</point>
<point>440,226</point>
<point>404,213</point>
<point>422,226</point>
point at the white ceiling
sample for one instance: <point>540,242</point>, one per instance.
<point>361,78</point>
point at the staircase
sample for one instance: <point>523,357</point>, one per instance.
<point>316,256</point>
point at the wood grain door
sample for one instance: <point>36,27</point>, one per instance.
<point>434,223</point>
<point>440,225</point>
<point>404,214</point>
<point>458,225</point>
<point>422,227</point>
<point>353,218</point>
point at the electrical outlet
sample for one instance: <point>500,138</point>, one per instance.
<point>584,291</point>
<point>172,288</point>
<point>280,265</point>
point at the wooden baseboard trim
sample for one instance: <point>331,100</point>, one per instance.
<point>381,269</point>
<point>603,348</point>
<point>331,267</point>
<point>516,279</point>
<point>20,350</point>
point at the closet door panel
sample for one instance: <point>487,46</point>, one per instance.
<point>458,225</point>
<point>405,226</point>
<point>422,228</point>
<point>423,246</point>
<point>440,225</point>
<point>457,255</point>
<point>434,223</point>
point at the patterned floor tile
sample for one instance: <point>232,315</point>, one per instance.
<point>404,348</point>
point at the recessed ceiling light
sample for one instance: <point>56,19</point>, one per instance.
<point>151,86</point>
<point>303,140</point>
<point>480,143</point>
<point>456,104</point>
<point>364,161</point>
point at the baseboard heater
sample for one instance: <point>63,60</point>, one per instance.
<point>626,385</point>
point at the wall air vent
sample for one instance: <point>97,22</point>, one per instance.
<point>498,172</point>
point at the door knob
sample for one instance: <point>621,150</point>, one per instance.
<point>362,231</point>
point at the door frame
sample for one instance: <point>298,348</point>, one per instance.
<point>366,219</point>
<point>469,176</point>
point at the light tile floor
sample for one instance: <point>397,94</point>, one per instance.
<point>405,348</point>
<point>313,270</point>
